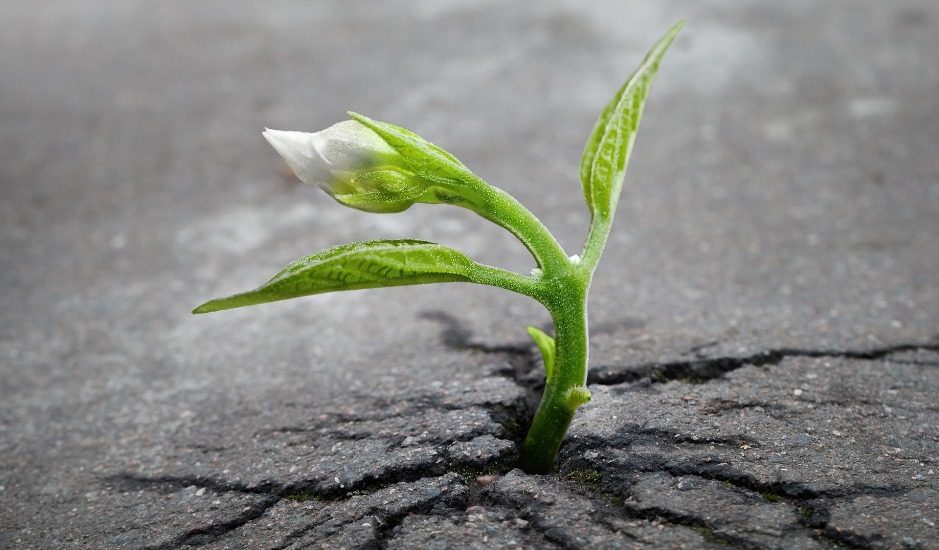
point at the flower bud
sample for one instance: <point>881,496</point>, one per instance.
<point>353,164</point>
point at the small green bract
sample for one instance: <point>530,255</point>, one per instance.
<point>379,167</point>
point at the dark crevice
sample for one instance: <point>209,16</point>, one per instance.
<point>209,533</point>
<point>522,369</point>
<point>619,496</point>
<point>706,369</point>
<point>367,484</point>
<point>274,493</point>
<point>386,521</point>
<point>609,503</point>
<point>592,488</point>
<point>815,515</point>
<point>574,451</point>
<point>549,534</point>
<point>314,489</point>
<point>299,490</point>
<point>522,356</point>
<point>455,335</point>
<point>785,490</point>
<point>812,512</point>
<point>389,522</point>
<point>846,539</point>
<point>382,480</point>
<point>709,531</point>
<point>612,481</point>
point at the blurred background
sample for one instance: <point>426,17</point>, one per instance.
<point>784,192</point>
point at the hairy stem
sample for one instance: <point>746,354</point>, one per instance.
<point>596,241</point>
<point>509,280</point>
<point>566,299</point>
<point>505,211</point>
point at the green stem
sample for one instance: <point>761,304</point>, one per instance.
<point>509,280</point>
<point>504,210</point>
<point>596,241</point>
<point>566,299</point>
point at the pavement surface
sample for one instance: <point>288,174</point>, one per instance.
<point>765,350</point>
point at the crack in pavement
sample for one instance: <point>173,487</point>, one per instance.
<point>523,356</point>
<point>812,505</point>
<point>809,505</point>
<point>704,527</point>
<point>804,499</point>
<point>575,451</point>
<point>455,335</point>
<point>703,370</point>
<point>214,531</point>
<point>311,488</point>
<point>384,510</point>
<point>211,532</point>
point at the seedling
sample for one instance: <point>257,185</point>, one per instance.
<point>379,167</point>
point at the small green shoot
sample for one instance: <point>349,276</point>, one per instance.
<point>382,168</point>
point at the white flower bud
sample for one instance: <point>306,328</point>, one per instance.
<point>350,162</point>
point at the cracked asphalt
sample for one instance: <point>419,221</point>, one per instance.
<point>765,321</point>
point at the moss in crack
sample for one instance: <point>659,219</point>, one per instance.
<point>590,481</point>
<point>710,536</point>
<point>658,376</point>
<point>771,497</point>
<point>830,541</point>
<point>513,428</point>
<point>587,477</point>
<point>806,512</point>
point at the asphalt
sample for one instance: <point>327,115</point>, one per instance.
<point>765,320</point>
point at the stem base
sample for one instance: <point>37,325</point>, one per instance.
<point>546,434</point>
<point>565,391</point>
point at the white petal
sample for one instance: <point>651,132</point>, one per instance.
<point>350,146</point>
<point>298,150</point>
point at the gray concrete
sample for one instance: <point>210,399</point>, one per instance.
<point>765,319</point>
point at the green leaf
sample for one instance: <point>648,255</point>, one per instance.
<point>606,155</point>
<point>423,157</point>
<point>546,345</point>
<point>370,264</point>
<point>449,181</point>
<point>577,396</point>
<point>446,180</point>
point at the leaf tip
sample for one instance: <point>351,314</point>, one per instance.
<point>204,308</point>
<point>578,396</point>
<point>358,117</point>
<point>671,34</point>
